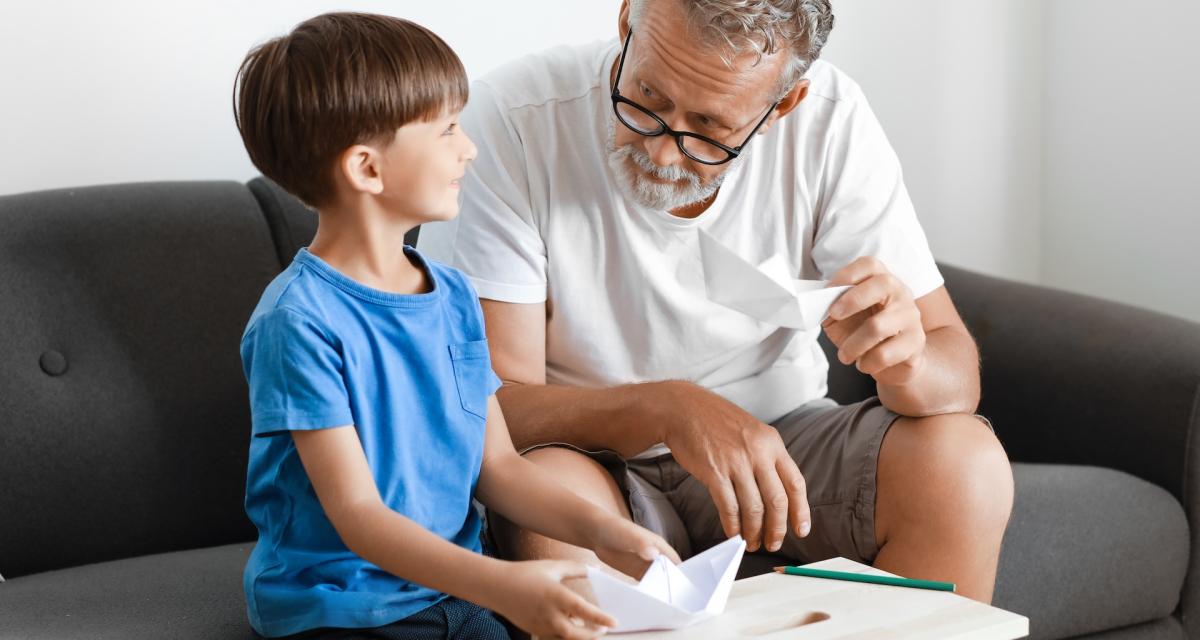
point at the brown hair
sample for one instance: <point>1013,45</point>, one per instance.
<point>337,80</point>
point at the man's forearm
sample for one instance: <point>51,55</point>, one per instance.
<point>947,383</point>
<point>627,419</point>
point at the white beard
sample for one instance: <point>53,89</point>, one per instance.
<point>684,187</point>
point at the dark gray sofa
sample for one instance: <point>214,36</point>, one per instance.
<point>124,424</point>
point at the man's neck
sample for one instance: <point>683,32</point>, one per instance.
<point>368,248</point>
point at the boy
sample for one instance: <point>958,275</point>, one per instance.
<point>370,382</point>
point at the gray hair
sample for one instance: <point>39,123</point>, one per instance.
<point>761,27</point>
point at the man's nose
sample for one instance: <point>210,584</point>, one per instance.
<point>663,150</point>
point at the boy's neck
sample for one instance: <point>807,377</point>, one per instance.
<point>367,245</point>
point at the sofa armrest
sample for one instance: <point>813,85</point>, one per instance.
<point>1074,379</point>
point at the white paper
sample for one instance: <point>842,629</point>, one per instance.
<point>670,596</point>
<point>765,292</point>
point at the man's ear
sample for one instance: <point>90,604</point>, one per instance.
<point>623,20</point>
<point>789,101</point>
<point>360,167</point>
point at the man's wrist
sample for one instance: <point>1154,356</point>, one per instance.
<point>663,405</point>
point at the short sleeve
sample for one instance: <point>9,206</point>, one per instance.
<point>494,240</point>
<point>295,375</point>
<point>865,209</point>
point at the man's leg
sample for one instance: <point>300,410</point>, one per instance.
<point>932,502</point>
<point>582,475</point>
<point>944,492</point>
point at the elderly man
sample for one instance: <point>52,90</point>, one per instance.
<point>579,228</point>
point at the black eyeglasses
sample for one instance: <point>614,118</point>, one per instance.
<point>641,120</point>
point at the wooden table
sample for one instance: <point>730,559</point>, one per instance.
<point>778,606</point>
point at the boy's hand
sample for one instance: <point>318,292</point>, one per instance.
<point>533,597</point>
<point>627,547</point>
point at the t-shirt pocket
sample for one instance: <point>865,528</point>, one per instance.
<point>473,375</point>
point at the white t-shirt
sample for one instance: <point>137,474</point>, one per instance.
<point>543,219</point>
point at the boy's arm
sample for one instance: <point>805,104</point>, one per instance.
<point>531,498</point>
<point>528,593</point>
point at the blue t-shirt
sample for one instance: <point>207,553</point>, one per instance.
<point>412,374</point>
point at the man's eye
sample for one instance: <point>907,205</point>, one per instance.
<point>647,92</point>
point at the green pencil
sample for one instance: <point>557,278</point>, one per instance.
<point>866,577</point>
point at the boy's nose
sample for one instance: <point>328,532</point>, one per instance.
<point>470,151</point>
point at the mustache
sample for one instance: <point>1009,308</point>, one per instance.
<point>643,162</point>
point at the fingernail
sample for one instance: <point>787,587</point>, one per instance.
<point>775,546</point>
<point>805,527</point>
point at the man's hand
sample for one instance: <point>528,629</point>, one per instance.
<point>757,488</point>
<point>876,324</point>
<point>533,597</point>
<point>627,547</point>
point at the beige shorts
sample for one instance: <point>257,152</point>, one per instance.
<point>837,450</point>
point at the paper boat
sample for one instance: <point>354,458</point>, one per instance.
<point>671,596</point>
<point>765,292</point>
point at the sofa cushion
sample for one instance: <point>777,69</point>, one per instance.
<point>184,594</point>
<point>1090,548</point>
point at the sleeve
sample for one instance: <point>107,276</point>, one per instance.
<point>866,209</point>
<point>494,239</point>
<point>295,375</point>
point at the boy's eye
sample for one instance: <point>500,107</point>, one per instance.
<point>450,129</point>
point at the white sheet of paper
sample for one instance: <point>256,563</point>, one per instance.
<point>765,292</point>
<point>670,596</point>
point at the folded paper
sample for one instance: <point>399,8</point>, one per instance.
<point>671,596</point>
<point>765,292</point>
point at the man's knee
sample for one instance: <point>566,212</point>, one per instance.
<point>578,473</point>
<point>951,465</point>
<point>582,475</point>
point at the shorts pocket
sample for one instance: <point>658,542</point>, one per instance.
<point>472,375</point>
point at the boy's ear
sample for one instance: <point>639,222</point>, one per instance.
<point>360,167</point>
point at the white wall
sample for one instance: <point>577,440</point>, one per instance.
<point>1043,140</point>
<point>1121,205</point>
<point>102,92</point>
<point>956,85</point>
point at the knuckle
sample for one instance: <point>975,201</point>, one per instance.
<point>754,509</point>
<point>876,326</point>
<point>796,482</point>
<point>779,502</point>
